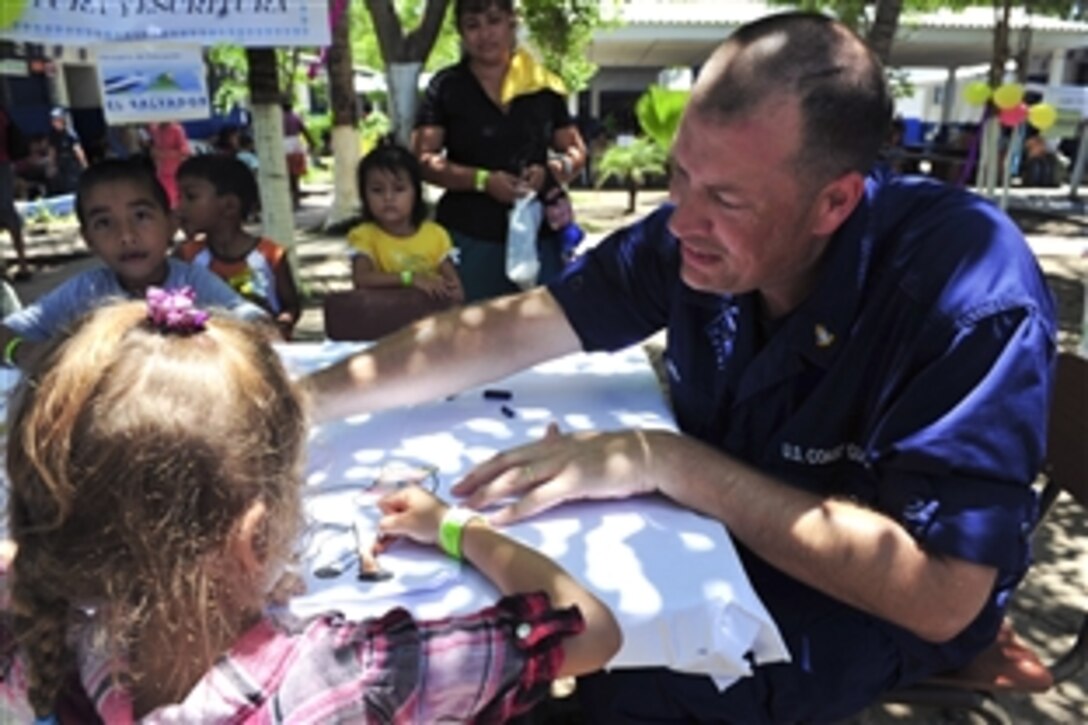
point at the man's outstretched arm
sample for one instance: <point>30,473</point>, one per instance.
<point>851,553</point>
<point>444,354</point>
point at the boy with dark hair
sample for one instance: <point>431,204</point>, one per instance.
<point>217,194</point>
<point>125,219</point>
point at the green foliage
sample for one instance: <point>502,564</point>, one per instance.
<point>631,163</point>
<point>375,125</point>
<point>852,12</point>
<point>561,31</point>
<point>899,83</point>
<point>658,111</point>
<point>227,69</point>
<point>364,38</point>
<point>317,124</point>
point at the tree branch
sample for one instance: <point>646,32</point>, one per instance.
<point>388,29</point>
<point>420,41</point>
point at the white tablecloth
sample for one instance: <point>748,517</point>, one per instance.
<point>672,577</point>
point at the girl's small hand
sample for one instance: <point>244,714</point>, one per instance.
<point>452,290</point>
<point>411,512</point>
<point>432,285</point>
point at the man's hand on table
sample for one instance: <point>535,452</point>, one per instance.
<point>564,467</point>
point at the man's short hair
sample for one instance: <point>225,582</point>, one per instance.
<point>837,81</point>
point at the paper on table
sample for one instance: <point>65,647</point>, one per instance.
<point>659,567</point>
<point>330,541</point>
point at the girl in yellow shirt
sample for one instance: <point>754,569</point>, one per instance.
<point>396,246</point>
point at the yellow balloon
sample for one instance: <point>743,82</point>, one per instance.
<point>10,11</point>
<point>1042,116</point>
<point>976,93</point>
<point>1008,95</point>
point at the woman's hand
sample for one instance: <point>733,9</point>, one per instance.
<point>534,177</point>
<point>562,468</point>
<point>505,187</point>
<point>411,512</point>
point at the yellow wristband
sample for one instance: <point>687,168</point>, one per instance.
<point>482,175</point>
<point>406,277</point>
<point>452,529</point>
<point>9,350</point>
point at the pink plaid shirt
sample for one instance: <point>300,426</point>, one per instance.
<point>485,667</point>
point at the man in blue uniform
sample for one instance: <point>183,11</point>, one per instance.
<point>860,366</point>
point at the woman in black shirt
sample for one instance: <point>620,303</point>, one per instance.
<point>483,133</point>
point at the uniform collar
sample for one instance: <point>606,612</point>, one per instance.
<point>823,323</point>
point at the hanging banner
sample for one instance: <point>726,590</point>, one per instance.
<point>205,22</point>
<point>142,82</point>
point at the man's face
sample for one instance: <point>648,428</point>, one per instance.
<point>743,218</point>
<point>129,230</point>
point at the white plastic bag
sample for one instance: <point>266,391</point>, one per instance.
<point>522,261</point>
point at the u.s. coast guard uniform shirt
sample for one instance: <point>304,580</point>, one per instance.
<point>915,379</point>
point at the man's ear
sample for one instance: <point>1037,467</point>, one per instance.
<point>249,540</point>
<point>837,201</point>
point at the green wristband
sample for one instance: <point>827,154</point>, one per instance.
<point>9,350</point>
<point>452,529</point>
<point>406,277</point>
<point>480,180</point>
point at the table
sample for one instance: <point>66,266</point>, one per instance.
<point>672,577</point>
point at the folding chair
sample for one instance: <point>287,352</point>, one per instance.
<point>1009,664</point>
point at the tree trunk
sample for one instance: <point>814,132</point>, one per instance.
<point>277,219</point>
<point>990,159</point>
<point>404,55</point>
<point>882,33</point>
<point>396,46</point>
<point>403,81</point>
<point>632,196</point>
<point>345,118</point>
<point>1001,44</point>
<point>1023,53</point>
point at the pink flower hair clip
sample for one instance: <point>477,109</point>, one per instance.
<point>175,310</point>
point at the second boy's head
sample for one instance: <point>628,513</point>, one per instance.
<point>391,188</point>
<point>217,192</point>
<point>124,217</point>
